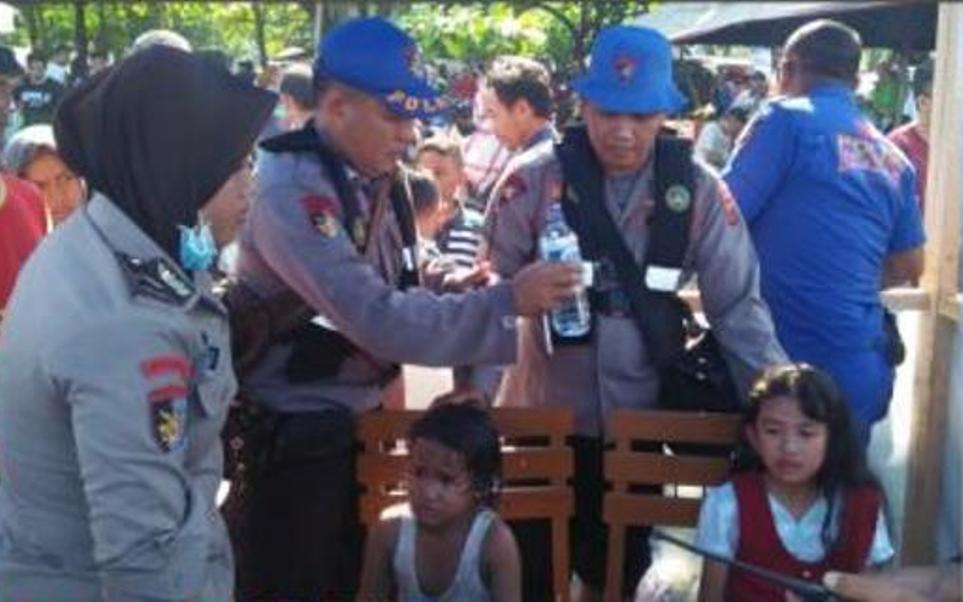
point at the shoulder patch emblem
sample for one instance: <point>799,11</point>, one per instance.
<point>513,187</point>
<point>729,206</point>
<point>167,399</point>
<point>867,154</point>
<point>322,213</point>
<point>168,417</point>
<point>160,365</point>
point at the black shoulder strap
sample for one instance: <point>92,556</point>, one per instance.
<point>401,204</point>
<point>674,195</point>
<point>657,314</point>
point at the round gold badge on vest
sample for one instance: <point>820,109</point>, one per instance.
<point>678,198</point>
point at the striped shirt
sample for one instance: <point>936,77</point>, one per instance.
<point>462,238</point>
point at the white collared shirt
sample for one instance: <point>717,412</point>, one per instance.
<point>718,529</point>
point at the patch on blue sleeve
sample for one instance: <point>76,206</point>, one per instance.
<point>866,154</point>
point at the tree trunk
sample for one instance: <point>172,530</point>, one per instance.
<point>33,29</point>
<point>578,48</point>
<point>259,34</point>
<point>130,19</point>
<point>101,36</point>
<point>42,30</point>
<point>80,36</point>
<point>157,14</point>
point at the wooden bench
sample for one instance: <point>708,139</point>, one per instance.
<point>537,465</point>
<point>691,464</point>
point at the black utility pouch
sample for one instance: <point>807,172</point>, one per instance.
<point>306,437</point>
<point>893,347</point>
<point>317,354</point>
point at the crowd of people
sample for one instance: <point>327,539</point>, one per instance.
<point>259,256</point>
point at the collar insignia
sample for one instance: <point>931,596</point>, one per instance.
<point>155,278</point>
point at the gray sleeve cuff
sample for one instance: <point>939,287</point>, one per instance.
<point>159,571</point>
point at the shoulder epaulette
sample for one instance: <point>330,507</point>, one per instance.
<point>156,278</point>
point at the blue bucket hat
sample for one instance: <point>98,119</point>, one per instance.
<point>373,55</point>
<point>630,72</point>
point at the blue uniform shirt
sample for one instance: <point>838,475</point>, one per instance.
<point>827,198</point>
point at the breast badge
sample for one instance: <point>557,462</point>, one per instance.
<point>513,187</point>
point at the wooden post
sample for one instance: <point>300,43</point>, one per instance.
<point>938,327</point>
<point>318,22</point>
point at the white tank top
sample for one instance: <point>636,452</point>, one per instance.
<point>467,586</point>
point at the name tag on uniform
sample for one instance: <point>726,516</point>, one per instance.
<point>212,353</point>
<point>588,274</point>
<point>659,278</point>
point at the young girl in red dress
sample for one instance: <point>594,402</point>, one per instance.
<point>801,500</point>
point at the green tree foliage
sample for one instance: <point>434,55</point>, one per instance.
<point>114,25</point>
<point>559,32</point>
<point>465,32</point>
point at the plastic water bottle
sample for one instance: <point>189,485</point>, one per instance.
<point>558,242</point>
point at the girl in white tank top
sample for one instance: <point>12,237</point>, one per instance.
<point>448,545</point>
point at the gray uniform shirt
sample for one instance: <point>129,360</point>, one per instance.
<point>614,371</point>
<point>114,385</point>
<point>294,238</point>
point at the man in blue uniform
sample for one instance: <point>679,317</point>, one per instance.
<point>832,209</point>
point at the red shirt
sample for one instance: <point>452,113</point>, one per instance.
<point>917,150</point>
<point>759,542</point>
<point>23,222</point>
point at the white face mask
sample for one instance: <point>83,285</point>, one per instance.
<point>197,247</point>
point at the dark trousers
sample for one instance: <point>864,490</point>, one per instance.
<point>588,534</point>
<point>298,535</point>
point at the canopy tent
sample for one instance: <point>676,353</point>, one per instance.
<point>7,13</point>
<point>902,25</point>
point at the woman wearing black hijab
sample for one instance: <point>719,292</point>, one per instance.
<point>115,369</point>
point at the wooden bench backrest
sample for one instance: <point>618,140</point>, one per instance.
<point>662,449</point>
<point>536,462</point>
<point>641,457</point>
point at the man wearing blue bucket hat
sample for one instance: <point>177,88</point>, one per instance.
<point>625,97</point>
<point>321,317</point>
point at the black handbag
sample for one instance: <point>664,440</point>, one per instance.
<point>698,378</point>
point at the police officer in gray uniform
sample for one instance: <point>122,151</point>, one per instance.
<point>330,225</point>
<point>115,373</point>
<point>626,95</point>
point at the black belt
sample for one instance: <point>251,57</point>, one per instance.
<point>613,303</point>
